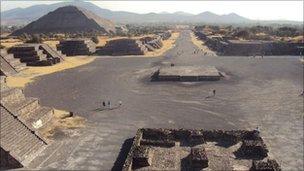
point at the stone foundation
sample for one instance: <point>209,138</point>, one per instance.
<point>197,149</point>
<point>186,74</point>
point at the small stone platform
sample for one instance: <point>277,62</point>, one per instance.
<point>187,74</point>
<point>185,149</point>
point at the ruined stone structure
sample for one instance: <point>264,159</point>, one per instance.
<point>9,64</point>
<point>186,73</point>
<point>74,47</point>
<point>68,19</point>
<point>36,54</point>
<point>152,43</point>
<point>21,119</point>
<point>123,47</point>
<point>223,46</point>
<point>183,149</point>
<point>166,35</point>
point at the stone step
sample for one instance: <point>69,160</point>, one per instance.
<point>12,95</point>
<point>31,59</point>
<point>5,124</point>
<point>31,149</point>
<point>30,52</point>
<point>16,138</point>
<point>23,107</point>
<point>24,47</point>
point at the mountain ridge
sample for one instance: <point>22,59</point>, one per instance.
<point>21,16</point>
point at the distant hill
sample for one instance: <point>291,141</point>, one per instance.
<point>68,19</point>
<point>20,16</point>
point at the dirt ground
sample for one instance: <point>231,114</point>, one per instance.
<point>255,92</point>
<point>30,73</point>
<point>7,43</point>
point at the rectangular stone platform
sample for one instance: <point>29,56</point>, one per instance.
<point>187,74</point>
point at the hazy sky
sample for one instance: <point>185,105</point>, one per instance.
<point>261,10</point>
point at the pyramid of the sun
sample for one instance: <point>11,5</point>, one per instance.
<point>68,19</point>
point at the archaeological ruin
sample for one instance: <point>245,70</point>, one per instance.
<point>225,46</point>
<point>35,54</point>
<point>123,47</point>
<point>72,47</point>
<point>186,74</point>
<point>184,149</point>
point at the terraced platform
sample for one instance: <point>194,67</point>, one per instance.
<point>36,54</point>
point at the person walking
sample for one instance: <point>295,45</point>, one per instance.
<point>213,92</point>
<point>211,95</point>
<point>109,104</point>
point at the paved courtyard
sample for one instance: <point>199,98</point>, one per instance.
<point>255,92</point>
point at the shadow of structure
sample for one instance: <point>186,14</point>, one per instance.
<point>7,161</point>
<point>126,146</point>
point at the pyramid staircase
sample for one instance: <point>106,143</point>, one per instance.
<point>21,119</point>
<point>52,53</point>
<point>9,64</point>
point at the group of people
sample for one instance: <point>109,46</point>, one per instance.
<point>109,104</point>
<point>255,56</point>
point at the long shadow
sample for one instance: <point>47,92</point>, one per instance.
<point>105,108</point>
<point>125,148</point>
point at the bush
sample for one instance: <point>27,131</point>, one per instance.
<point>95,39</point>
<point>35,39</point>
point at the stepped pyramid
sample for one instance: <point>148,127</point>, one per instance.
<point>68,19</point>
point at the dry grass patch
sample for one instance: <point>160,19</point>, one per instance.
<point>201,45</point>
<point>28,75</point>
<point>7,43</point>
<point>60,122</point>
